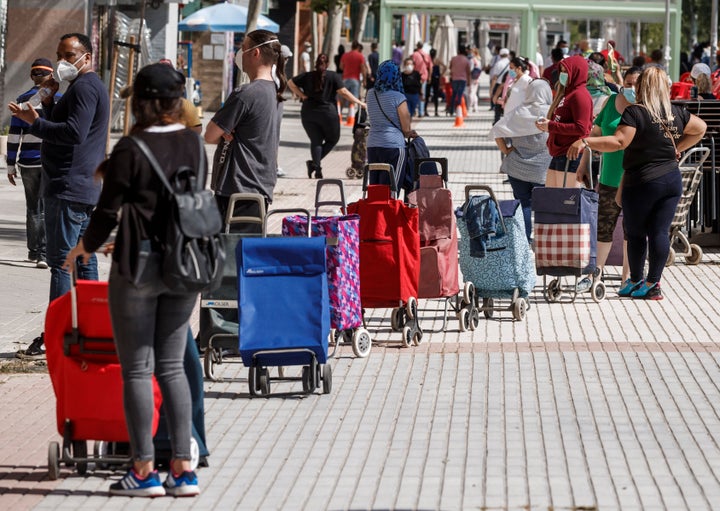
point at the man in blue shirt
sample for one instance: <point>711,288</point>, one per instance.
<point>73,135</point>
<point>24,155</point>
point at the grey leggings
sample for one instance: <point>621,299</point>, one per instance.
<point>150,325</point>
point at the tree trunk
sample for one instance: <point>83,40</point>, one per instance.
<point>334,28</point>
<point>252,16</point>
<point>358,29</point>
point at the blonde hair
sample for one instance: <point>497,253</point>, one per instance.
<point>653,92</point>
<point>703,83</point>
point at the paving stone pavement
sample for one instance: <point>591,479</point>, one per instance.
<point>583,405</point>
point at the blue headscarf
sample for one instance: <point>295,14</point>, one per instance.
<point>388,77</point>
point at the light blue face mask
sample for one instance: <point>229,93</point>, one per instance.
<point>629,94</point>
<point>563,78</point>
<point>512,74</point>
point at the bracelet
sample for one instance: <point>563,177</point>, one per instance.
<point>585,143</point>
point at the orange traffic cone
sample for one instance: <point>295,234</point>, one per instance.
<point>459,122</point>
<point>464,107</point>
<point>350,121</point>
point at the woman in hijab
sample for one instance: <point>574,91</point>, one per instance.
<point>317,90</point>
<point>390,122</point>
<point>524,145</point>
<point>599,92</point>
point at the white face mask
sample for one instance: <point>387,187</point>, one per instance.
<point>409,68</point>
<point>238,55</point>
<point>67,71</point>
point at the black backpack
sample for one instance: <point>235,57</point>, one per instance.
<point>192,250</point>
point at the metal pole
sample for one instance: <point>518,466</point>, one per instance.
<point>713,31</point>
<point>667,33</point>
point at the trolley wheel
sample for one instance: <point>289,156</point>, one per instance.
<point>407,337</point>
<point>327,379</point>
<point>264,381</point>
<point>417,338</point>
<point>598,291</point>
<point>695,256</point>
<point>194,453</point>
<point>468,293</point>
<point>397,319</point>
<point>53,461</point>
<point>553,291</point>
<point>252,380</point>
<point>80,451</point>
<point>488,304</point>
<point>464,319</point>
<point>306,380</point>
<point>209,362</point>
<point>361,342</point>
<point>411,307</point>
<point>671,257</point>
<point>474,318</point>
<point>519,308</point>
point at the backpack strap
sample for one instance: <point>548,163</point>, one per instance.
<point>200,184</point>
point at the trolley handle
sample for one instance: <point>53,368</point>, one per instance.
<point>443,168</point>
<point>686,156</point>
<point>379,167</point>
<point>286,212</point>
<point>320,203</point>
<point>230,219</point>
<point>485,188</point>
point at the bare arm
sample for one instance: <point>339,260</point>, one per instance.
<point>347,95</point>
<point>693,132</point>
<point>405,120</point>
<point>608,144</point>
<point>213,133</point>
<point>296,90</point>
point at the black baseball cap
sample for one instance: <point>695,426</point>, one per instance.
<point>41,67</point>
<point>157,81</point>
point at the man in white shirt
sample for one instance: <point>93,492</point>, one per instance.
<point>305,60</point>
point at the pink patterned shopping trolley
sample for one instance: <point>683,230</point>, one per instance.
<point>343,266</point>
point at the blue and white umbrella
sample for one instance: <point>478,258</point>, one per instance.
<point>224,17</point>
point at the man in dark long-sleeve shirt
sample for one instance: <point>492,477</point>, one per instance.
<point>73,136</point>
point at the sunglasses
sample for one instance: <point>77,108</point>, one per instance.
<point>39,73</point>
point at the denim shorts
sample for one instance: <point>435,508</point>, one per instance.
<point>559,162</point>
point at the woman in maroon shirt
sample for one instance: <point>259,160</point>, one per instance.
<point>569,118</point>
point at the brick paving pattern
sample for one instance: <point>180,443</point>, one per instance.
<point>602,406</point>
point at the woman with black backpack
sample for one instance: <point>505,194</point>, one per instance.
<point>150,321</point>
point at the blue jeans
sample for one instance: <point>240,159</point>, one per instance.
<point>648,211</point>
<point>421,104</point>
<point>65,223</point>
<point>522,191</point>
<point>35,214</point>
<point>458,89</point>
<point>353,86</point>
<point>413,101</point>
<point>150,325</point>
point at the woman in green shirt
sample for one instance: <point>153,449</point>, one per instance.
<point>611,172</point>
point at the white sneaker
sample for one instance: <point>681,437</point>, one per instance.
<point>280,172</point>
<point>41,264</point>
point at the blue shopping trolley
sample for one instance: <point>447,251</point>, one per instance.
<point>284,308</point>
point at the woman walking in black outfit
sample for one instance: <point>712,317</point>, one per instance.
<point>317,90</point>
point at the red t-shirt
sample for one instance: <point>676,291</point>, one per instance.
<point>352,64</point>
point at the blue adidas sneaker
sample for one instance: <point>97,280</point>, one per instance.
<point>131,485</point>
<point>183,485</point>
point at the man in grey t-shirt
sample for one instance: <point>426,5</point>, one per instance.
<point>250,118</point>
